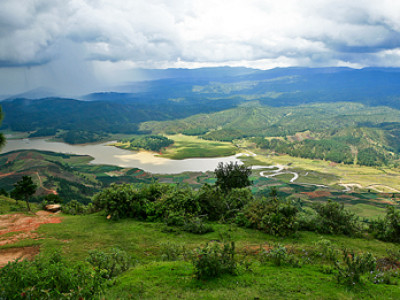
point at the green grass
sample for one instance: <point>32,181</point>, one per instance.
<point>193,147</point>
<point>367,211</point>
<point>152,278</point>
<point>8,205</point>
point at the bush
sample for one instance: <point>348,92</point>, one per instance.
<point>109,264</point>
<point>127,201</point>
<point>353,266</point>
<point>49,278</point>
<point>214,260</point>
<point>333,218</point>
<point>279,256</point>
<point>387,229</point>
<point>197,226</point>
<point>76,208</point>
<point>272,216</point>
<point>211,201</point>
<point>177,206</point>
<point>171,252</point>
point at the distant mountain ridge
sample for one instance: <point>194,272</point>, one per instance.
<point>180,93</point>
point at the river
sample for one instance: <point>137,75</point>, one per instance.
<point>110,155</point>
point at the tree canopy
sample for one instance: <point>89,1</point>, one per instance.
<point>232,175</point>
<point>24,189</point>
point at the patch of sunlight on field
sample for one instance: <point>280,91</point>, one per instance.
<point>191,147</point>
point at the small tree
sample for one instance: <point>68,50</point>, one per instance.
<point>232,175</point>
<point>24,188</point>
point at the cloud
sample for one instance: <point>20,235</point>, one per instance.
<point>119,34</point>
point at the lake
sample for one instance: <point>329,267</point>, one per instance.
<point>110,155</point>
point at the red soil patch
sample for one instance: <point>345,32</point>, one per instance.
<point>23,225</point>
<point>15,227</point>
<point>21,253</point>
<point>347,197</point>
<point>257,248</point>
<point>318,194</point>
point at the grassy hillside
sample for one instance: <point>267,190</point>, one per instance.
<point>154,276</point>
<point>340,132</point>
<point>71,176</point>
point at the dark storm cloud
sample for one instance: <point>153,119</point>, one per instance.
<point>114,35</point>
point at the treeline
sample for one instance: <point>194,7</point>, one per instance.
<point>152,142</point>
<point>190,209</point>
<point>82,137</point>
<point>336,150</point>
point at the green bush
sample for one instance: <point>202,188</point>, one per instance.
<point>214,260</point>
<point>109,264</point>
<point>353,266</point>
<point>49,278</point>
<point>177,205</point>
<point>388,228</point>
<point>272,216</point>
<point>76,208</point>
<point>171,252</point>
<point>333,218</point>
<point>279,256</point>
<point>128,201</point>
<point>197,226</point>
<point>211,201</point>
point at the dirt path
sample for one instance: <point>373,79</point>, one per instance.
<point>16,227</point>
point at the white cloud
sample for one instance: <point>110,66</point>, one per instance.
<point>192,33</point>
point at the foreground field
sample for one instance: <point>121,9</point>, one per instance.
<point>155,276</point>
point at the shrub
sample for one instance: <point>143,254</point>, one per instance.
<point>353,266</point>
<point>333,218</point>
<point>197,226</point>
<point>109,264</point>
<point>272,216</point>
<point>76,208</point>
<point>279,256</point>
<point>127,201</point>
<point>214,260</point>
<point>327,251</point>
<point>49,278</point>
<point>177,205</point>
<point>387,229</point>
<point>211,201</point>
<point>171,252</point>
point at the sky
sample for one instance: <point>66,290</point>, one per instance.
<point>79,46</point>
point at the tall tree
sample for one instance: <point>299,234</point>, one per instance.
<point>24,188</point>
<point>232,175</point>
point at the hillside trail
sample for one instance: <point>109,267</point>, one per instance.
<point>17,227</point>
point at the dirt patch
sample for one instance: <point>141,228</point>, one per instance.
<point>15,227</point>
<point>21,253</point>
<point>318,194</point>
<point>256,249</point>
<point>347,197</point>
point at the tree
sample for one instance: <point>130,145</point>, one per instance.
<point>232,175</point>
<point>2,139</point>
<point>24,189</point>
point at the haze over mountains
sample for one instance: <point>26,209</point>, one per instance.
<point>178,93</point>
